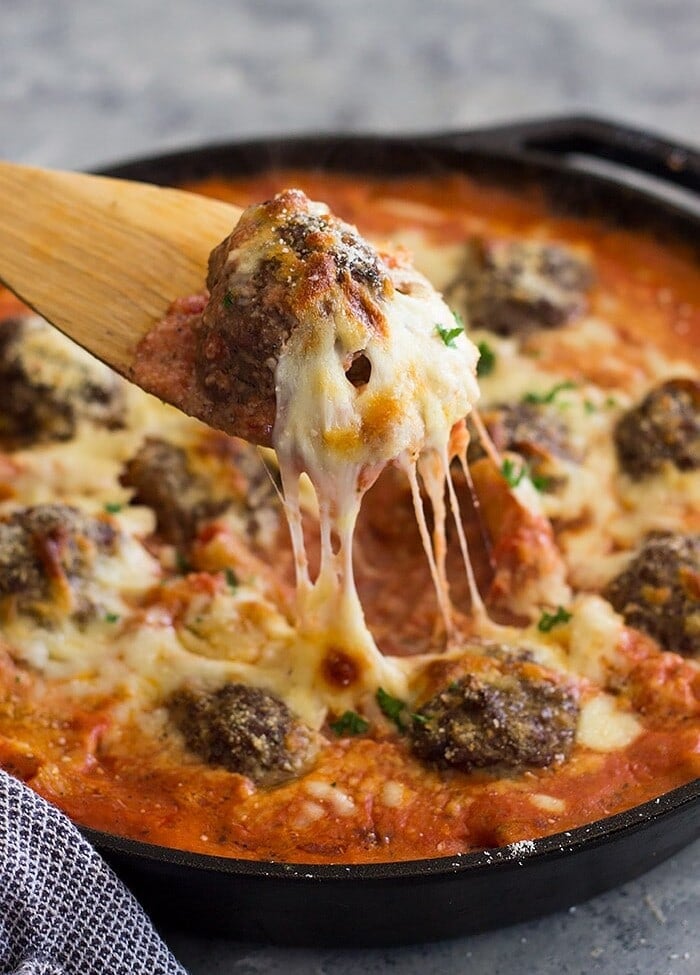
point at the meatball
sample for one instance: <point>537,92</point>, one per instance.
<point>659,591</point>
<point>515,288</point>
<point>47,385</point>
<point>284,258</point>
<point>162,478</point>
<point>47,554</point>
<point>513,714</point>
<point>299,306</point>
<point>664,427</point>
<point>527,428</point>
<point>244,729</point>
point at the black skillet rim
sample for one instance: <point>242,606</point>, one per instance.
<point>593,834</point>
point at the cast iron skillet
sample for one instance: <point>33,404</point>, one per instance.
<point>395,903</point>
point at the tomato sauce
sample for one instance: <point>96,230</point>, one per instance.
<point>367,799</point>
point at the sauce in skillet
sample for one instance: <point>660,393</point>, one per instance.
<point>108,759</point>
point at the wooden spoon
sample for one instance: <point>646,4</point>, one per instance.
<point>102,259</point>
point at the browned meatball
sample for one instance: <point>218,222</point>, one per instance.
<point>47,553</point>
<point>529,429</point>
<point>659,591</point>
<point>244,729</point>
<point>515,288</point>
<point>47,385</point>
<point>664,427</point>
<point>161,475</point>
<point>286,259</point>
<point>511,715</point>
<point>292,284</point>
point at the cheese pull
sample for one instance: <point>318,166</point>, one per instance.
<point>344,359</point>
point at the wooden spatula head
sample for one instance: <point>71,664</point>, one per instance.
<point>102,259</point>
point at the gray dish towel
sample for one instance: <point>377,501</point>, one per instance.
<point>62,910</point>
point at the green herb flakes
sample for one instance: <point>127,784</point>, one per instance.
<point>397,710</point>
<point>182,564</point>
<point>512,472</point>
<point>539,481</point>
<point>487,359</point>
<point>540,399</point>
<point>231,578</point>
<point>549,620</point>
<point>392,707</point>
<point>350,723</point>
<point>113,507</point>
<point>448,335</point>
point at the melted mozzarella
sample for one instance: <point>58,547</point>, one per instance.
<point>341,437</point>
<point>603,725</point>
<point>594,638</point>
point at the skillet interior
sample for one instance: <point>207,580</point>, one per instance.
<point>428,899</point>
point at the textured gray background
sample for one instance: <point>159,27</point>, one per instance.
<point>88,81</point>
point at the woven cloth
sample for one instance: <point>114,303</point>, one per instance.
<point>62,910</point>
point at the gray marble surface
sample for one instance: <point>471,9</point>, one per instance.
<point>83,82</point>
<point>648,927</point>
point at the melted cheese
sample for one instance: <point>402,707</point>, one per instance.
<point>603,725</point>
<point>341,437</point>
<point>157,630</point>
<point>332,439</point>
<point>595,632</point>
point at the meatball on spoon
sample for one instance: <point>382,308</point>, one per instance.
<point>341,356</point>
<point>103,259</point>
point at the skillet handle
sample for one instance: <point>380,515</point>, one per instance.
<point>672,162</point>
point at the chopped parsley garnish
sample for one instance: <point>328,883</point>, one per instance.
<point>183,566</point>
<point>231,578</point>
<point>113,507</point>
<point>487,359</point>
<point>589,407</point>
<point>350,723</point>
<point>391,707</point>
<point>448,335</point>
<point>227,300</point>
<point>512,473</point>
<point>549,620</point>
<point>539,482</point>
<point>111,617</point>
<point>549,397</point>
<point>611,403</point>
<point>396,710</point>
